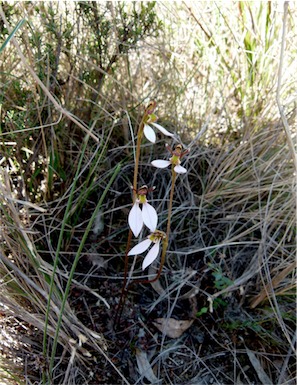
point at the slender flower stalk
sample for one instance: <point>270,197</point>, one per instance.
<point>165,242</point>
<point>146,116</point>
<point>177,155</point>
<point>149,110</point>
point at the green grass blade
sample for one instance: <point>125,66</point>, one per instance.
<point>16,28</point>
<point>75,262</point>
<point>60,240</point>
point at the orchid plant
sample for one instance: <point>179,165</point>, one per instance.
<point>147,215</point>
<point>142,212</point>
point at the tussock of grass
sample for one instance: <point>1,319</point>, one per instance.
<point>67,167</point>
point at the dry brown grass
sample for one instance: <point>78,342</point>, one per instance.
<point>66,125</point>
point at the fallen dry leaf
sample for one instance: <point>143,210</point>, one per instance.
<point>258,368</point>
<point>171,327</point>
<point>144,367</point>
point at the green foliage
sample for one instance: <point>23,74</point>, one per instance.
<point>220,280</point>
<point>239,325</point>
<point>202,311</point>
<point>253,33</point>
<point>128,23</point>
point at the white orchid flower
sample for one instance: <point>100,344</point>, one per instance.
<point>147,215</point>
<point>175,160</point>
<point>149,133</point>
<point>155,238</point>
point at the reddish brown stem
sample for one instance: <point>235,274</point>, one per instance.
<point>124,291</point>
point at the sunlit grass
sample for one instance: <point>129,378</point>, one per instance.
<point>66,169</point>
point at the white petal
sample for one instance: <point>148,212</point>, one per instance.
<point>162,129</point>
<point>141,247</point>
<point>151,255</point>
<point>180,170</point>
<point>161,163</point>
<point>149,133</point>
<point>149,216</point>
<point>135,219</point>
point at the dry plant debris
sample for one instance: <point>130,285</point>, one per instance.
<point>75,77</point>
